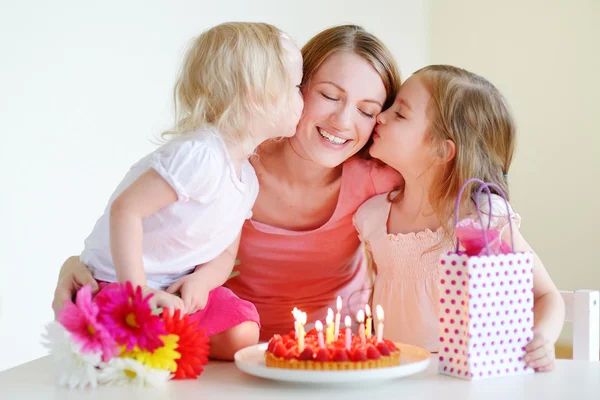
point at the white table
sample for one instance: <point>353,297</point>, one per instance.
<point>572,380</point>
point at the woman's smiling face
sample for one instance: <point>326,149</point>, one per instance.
<point>341,103</point>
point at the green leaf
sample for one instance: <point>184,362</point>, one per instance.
<point>157,311</point>
<point>233,274</point>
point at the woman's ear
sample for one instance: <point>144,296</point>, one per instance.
<point>447,151</point>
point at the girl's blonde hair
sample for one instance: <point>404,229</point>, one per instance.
<point>353,39</point>
<point>468,110</point>
<point>231,72</point>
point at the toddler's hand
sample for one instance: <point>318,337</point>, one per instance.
<point>193,292</point>
<point>163,299</point>
<point>540,353</point>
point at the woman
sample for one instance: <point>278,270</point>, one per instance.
<point>300,248</point>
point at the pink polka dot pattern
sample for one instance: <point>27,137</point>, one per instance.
<point>494,319</point>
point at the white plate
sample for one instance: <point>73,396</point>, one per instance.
<point>251,360</point>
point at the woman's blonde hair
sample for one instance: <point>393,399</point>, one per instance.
<point>231,72</point>
<point>353,39</point>
<point>468,110</point>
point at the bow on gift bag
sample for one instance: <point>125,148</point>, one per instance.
<point>486,299</point>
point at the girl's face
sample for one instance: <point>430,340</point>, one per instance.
<point>288,115</point>
<point>401,135</point>
<point>341,103</point>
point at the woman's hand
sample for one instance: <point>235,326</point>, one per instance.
<point>73,275</point>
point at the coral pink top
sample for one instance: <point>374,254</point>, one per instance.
<point>282,269</point>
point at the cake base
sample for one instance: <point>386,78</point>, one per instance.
<point>384,362</point>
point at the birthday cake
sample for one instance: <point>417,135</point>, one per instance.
<point>310,350</point>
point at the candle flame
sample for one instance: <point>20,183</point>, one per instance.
<point>302,318</point>
<point>318,326</point>
<point>295,313</point>
<point>368,310</point>
<point>330,312</point>
<point>329,319</point>
<point>339,303</point>
<point>360,316</point>
<point>348,321</point>
<point>379,312</point>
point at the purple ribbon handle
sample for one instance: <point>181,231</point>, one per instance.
<point>485,186</point>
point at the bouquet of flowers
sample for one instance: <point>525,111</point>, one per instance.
<point>117,339</point>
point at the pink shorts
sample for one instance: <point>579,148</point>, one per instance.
<point>223,311</point>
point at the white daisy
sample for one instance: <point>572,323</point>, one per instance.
<point>75,369</point>
<point>129,372</point>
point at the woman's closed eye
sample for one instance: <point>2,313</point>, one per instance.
<point>366,114</point>
<point>335,99</point>
<point>329,97</point>
<point>399,115</point>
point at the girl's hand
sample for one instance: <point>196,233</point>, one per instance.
<point>540,353</point>
<point>193,292</point>
<point>163,299</point>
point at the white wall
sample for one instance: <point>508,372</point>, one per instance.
<point>544,55</point>
<point>84,87</point>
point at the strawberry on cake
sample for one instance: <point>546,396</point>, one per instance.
<point>363,353</point>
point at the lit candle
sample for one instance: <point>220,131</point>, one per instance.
<point>348,322</point>
<point>368,323</point>
<point>336,330</point>
<point>301,322</point>
<point>319,328</point>
<point>295,312</point>
<point>379,323</point>
<point>329,330</point>
<point>360,317</point>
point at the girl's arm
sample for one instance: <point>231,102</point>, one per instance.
<point>194,288</point>
<point>216,272</point>
<point>146,195</point>
<point>549,309</point>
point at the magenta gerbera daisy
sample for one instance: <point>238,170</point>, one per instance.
<point>127,316</point>
<point>81,320</point>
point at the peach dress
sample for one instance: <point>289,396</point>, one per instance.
<point>406,285</point>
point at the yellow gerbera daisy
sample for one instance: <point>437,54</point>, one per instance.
<point>162,358</point>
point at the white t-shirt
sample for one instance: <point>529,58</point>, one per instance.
<point>207,217</point>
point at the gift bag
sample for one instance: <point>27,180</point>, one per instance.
<point>486,301</point>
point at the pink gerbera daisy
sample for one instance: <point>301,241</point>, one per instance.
<point>81,320</point>
<point>127,315</point>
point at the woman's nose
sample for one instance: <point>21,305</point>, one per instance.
<point>381,118</point>
<point>342,118</point>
